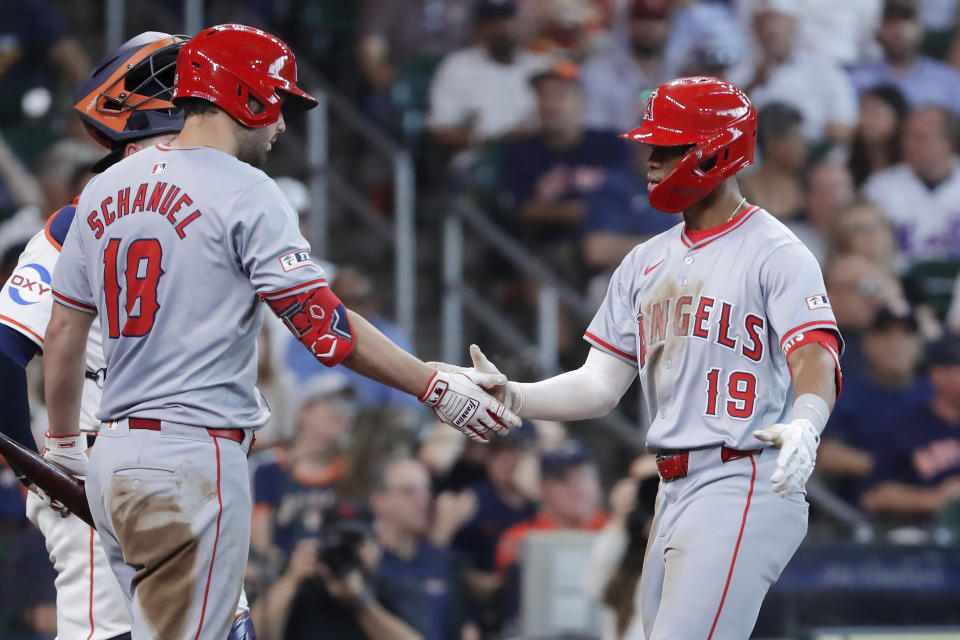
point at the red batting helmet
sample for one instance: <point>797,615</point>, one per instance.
<point>231,63</point>
<point>715,118</point>
<point>127,96</point>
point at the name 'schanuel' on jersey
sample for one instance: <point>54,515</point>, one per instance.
<point>161,199</point>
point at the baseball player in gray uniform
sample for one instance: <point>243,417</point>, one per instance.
<point>173,249</point>
<point>725,315</point>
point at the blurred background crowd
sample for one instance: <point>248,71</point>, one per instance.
<point>509,113</point>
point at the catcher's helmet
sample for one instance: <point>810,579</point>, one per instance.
<point>231,63</point>
<point>127,97</point>
<point>715,118</point>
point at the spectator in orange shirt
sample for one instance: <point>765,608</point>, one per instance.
<point>569,499</point>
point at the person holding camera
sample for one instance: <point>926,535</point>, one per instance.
<point>331,589</point>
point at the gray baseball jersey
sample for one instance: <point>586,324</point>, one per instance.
<point>171,247</point>
<point>708,323</point>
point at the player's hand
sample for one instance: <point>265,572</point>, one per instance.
<point>508,393</point>
<point>67,451</point>
<point>458,398</point>
<point>53,503</point>
<point>798,441</point>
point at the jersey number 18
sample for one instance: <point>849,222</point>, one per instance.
<point>141,275</point>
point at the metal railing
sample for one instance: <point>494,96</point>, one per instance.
<point>326,183</point>
<point>459,299</point>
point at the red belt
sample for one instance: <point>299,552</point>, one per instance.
<point>673,465</point>
<point>150,424</point>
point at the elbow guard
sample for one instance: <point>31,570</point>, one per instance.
<point>318,319</point>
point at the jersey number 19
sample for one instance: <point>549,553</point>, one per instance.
<point>141,275</point>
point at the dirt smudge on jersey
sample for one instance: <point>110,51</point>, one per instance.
<point>151,514</point>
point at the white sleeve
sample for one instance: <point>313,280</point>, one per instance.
<point>446,102</point>
<point>26,300</point>
<point>842,98</point>
<point>591,391</point>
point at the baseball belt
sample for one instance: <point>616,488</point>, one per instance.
<point>673,464</point>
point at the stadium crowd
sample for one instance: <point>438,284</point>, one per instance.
<point>373,521</point>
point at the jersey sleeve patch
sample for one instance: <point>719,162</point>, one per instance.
<point>58,224</point>
<point>295,260</point>
<point>819,301</point>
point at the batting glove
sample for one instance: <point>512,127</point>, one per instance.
<point>507,393</point>
<point>67,451</point>
<point>458,399</point>
<point>798,441</point>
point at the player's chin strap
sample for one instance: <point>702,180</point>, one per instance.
<point>242,628</point>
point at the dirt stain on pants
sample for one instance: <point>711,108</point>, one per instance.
<point>152,519</point>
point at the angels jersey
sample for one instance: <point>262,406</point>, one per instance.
<point>708,323</point>
<point>171,247</point>
<point>26,302</point>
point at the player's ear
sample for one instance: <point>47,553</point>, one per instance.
<point>130,149</point>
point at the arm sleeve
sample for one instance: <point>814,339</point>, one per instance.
<point>446,105</point>
<point>265,237</point>
<point>71,282</point>
<point>15,351</point>
<point>842,98</point>
<point>591,391</point>
<point>794,294</point>
<point>614,328</point>
<point>26,300</point>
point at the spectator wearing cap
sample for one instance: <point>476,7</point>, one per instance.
<point>615,81</point>
<point>776,184</point>
<point>569,499</point>
<point>501,504</point>
<point>876,140</point>
<point>922,80</point>
<point>782,71</point>
<point>482,92</point>
<point>921,194</point>
<point>890,385</point>
<point>916,472</point>
<point>548,176</point>
<point>402,504</point>
<point>293,485</point>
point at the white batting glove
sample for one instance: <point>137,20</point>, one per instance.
<point>53,503</point>
<point>67,451</point>
<point>798,441</point>
<point>458,399</point>
<point>507,393</point>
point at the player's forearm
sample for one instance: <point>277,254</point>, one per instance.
<point>564,212</point>
<point>380,624</point>
<point>814,371</point>
<point>270,611</point>
<point>377,357</point>
<point>841,459</point>
<point>903,499</point>
<point>591,391</point>
<point>63,365</point>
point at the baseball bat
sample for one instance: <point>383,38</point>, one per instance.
<point>56,481</point>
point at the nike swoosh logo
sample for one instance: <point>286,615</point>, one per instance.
<point>652,267</point>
